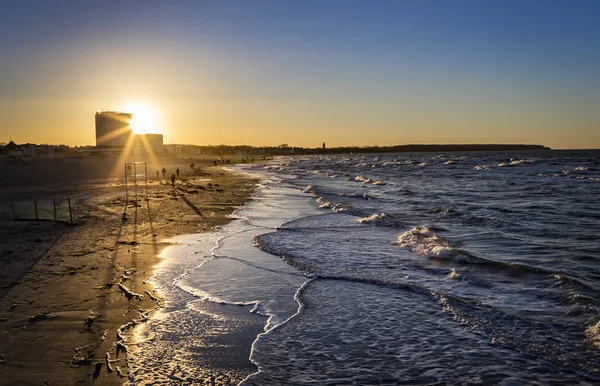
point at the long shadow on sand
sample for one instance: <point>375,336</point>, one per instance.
<point>189,203</point>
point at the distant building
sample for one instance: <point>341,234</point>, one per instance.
<point>148,143</point>
<point>176,150</point>
<point>112,129</point>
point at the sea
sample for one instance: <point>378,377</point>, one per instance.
<point>396,269</point>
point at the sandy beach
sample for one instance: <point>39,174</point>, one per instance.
<point>71,294</point>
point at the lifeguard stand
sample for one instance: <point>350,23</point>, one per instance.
<point>134,172</point>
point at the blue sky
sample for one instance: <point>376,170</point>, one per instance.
<point>269,72</point>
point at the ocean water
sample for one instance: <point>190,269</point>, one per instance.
<point>458,268</point>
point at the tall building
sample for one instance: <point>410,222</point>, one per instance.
<point>112,129</point>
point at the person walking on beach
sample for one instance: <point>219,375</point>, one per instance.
<point>164,172</point>
<point>177,171</point>
<point>157,175</point>
<point>173,180</point>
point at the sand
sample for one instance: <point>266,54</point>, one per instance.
<point>66,291</point>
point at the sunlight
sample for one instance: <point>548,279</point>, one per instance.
<point>145,119</point>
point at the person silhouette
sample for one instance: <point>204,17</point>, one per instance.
<point>157,175</point>
<point>164,172</point>
<point>177,171</point>
<point>173,180</point>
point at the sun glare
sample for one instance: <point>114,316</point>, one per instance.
<point>144,120</point>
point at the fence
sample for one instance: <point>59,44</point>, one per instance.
<point>38,210</point>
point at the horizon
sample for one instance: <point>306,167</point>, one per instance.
<point>377,73</point>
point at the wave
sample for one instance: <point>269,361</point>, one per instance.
<point>334,206</point>
<point>424,242</point>
<point>367,180</point>
<point>374,218</point>
<point>515,162</point>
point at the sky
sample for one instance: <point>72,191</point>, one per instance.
<point>348,73</point>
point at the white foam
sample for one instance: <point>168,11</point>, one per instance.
<point>366,180</point>
<point>424,242</point>
<point>308,189</point>
<point>592,333</point>
<point>516,162</point>
<point>336,207</point>
<point>372,218</point>
<point>454,274</point>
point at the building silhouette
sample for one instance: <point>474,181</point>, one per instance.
<point>113,129</point>
<point>114,133</point>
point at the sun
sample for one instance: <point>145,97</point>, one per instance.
<point>145,119</point>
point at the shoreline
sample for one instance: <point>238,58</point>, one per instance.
<point>61,322</point>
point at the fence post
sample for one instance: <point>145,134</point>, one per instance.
<point>54,205</point>
<point>70,213</point>
<point>146,172</point>
<point>135,182</point>
<point>12,208</point>
<point>126,187</point>
<point>36,211</point>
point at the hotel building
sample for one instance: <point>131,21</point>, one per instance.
<point>113,132</point>
<point>112,129</point>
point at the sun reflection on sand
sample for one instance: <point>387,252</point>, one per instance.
<point>136,152</point>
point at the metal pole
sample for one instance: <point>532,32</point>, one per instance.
<point>36,211</point>
<point>135,181</point>
<point>126,188</point>
<point>70,213</point>
<point>54,205</point>
<point>12,208</point>
<point>146,171</point>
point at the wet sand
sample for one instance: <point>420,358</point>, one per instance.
<point>66,291</point>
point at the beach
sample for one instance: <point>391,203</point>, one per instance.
<point>72,294</point>
<point>413,268</point>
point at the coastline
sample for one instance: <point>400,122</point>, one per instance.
<point>61,322</point>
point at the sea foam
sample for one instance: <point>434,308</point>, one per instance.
<point>374,218</point>
<point>424,242</point>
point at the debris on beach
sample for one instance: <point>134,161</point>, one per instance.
<point>130,294</point>
<point>120,372</point>
<point>154,298</point>
<point>82,355</point>
<point>91,319</point>
<point>39,316</point>
<point>109,362</point>
<point>127,274</point>
<point>121,347</point>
